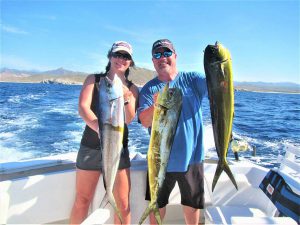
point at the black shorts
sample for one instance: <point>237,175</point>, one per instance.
<point>191,186</point>
<point>91,159</point>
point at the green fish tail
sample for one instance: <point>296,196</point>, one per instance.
<point>151,207</point>
<point>223,166</point>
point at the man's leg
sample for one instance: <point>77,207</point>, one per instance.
<point>163,197</point>
<point>162,212</point>
<point>191,215</point>
<point>191,184</point>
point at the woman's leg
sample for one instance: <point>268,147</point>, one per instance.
<point>86,182</point>
<point>121,194</point>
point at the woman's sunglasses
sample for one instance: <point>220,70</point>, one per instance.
<point>166,54</point>
<point>119,55</point>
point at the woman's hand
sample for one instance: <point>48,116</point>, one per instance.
<point>130,102</point>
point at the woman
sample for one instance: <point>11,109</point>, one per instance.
<point>89,155</point>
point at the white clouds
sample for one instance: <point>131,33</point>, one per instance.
<point>12,29</point>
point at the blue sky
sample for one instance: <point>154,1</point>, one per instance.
<point>262,36</point>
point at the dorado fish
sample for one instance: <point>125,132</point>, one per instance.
<point>111,128</point>
<point>165,117</point>
<point>218,70</point>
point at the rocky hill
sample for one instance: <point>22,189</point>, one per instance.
<point>138,75</point>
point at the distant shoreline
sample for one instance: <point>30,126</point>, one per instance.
<point>140,86</point>
<point>44,82</point>
<point>271,92</point>
<point>139,76</point>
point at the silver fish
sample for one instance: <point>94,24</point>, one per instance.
<point>111,128</point>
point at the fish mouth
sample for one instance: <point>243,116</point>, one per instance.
<point>164,107</point>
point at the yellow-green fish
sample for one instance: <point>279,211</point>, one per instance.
<point>218,71</point>
<point>166,114</point>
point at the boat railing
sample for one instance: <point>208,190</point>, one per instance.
<point>290,166</point>
<point>17,170</point>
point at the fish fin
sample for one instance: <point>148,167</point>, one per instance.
<point>104,201</point>
<point>218,172</point>
<point>230,142</point>
<point>230,175</point>
<point>222,70</point>
<point>151,207</point>
<point>157,215</point>
<point>223,166</point>
<point>231,138</point>
<point>112,201</point>
<point>145,214</point>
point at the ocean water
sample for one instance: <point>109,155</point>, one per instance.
<point>38,120</point>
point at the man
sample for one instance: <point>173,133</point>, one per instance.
<point>186,159</point>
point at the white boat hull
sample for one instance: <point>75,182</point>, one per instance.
<point>47,197</point>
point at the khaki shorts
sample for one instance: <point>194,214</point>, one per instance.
<point>91,159</point>
<point>191,186</point>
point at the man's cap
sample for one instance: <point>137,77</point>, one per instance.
<point>121,46</point>
<point>163,43</point>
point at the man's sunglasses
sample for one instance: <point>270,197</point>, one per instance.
<point>166,54</point>
<point>119,55</point>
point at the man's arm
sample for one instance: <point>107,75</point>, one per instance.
<point>146,116</point>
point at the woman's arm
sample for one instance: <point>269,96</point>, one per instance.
<point>85,101</point>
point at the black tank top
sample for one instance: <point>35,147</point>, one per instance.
<point>90,137</point>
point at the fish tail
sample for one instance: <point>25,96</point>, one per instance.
<point>151,207</point>
<point>113,203</point>
<point>104,201</point>
<point>110,198</point>
<point>157,215</point>
<point>223,166</point>
<point>218,172</point>
<point>230,175</point>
